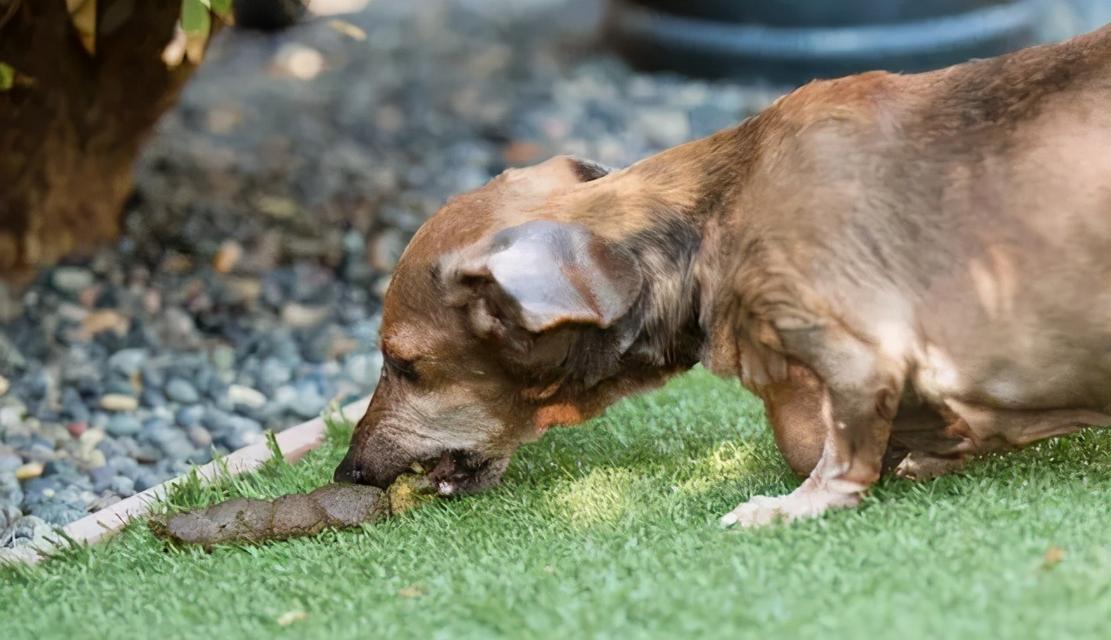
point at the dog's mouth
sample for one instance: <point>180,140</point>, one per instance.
<point>458,472</point>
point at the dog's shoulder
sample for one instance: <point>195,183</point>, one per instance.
<point>849,104</point>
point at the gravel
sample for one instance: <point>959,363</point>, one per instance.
<point>269,210</point>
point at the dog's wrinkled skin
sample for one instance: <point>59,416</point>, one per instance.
<point>908,270</point>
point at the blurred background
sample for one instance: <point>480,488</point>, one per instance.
<point>233,285</point>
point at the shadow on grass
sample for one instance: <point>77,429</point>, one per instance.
<point>688,453</point>
<point>700,443</point>
<point>705,441</point>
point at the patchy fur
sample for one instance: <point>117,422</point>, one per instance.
<point>904,268</point>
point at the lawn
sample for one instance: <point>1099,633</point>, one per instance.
<point>610,530</point>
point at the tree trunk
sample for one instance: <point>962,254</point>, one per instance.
<point>70,130</point>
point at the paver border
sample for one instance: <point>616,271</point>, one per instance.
<point>96,527</point>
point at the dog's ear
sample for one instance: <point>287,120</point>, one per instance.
<point>539,180</point>
<point>541,275</point>
<point>585,170</point>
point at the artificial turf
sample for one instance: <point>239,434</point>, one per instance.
<point>610,530</point>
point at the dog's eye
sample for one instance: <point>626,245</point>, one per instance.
<point>403,368</point>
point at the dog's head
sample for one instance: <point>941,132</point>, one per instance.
<point>499,322</point>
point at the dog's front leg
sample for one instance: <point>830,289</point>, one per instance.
<point>859,401</point>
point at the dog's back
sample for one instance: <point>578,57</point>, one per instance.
<point>1026,201</point>
<point>970,206</point>
<point>980,96</point>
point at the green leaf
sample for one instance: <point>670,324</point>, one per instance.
<point>7,76</point>
<point>82,13</point>
<point>194,17</point>
<point>221,8</point>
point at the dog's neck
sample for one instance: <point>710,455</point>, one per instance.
<point>664,210</point>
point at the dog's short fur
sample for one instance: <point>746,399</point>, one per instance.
<point>908,269</point>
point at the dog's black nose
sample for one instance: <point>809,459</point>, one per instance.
<point>347,471</point>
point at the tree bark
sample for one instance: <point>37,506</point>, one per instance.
<point>69,134</point>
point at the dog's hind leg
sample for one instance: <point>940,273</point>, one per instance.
<point>861,396</point>
<point>921,465</point>
<point>982,430</point>
<point>990,429</point>
<point>927,442</point>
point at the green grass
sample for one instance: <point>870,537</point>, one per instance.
<point>610,530</point>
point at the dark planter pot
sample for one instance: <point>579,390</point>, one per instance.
<point>268,15</point>
<point>793,41</point>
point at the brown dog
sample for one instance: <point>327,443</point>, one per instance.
<point>915,266</point>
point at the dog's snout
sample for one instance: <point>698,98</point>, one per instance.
<point>378,475</point>
<point>347,471</point>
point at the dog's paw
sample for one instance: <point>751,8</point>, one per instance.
<point>760,511</point>
<point>923,466</point>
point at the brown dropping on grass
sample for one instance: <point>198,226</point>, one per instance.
<point>252,520</point>
<point>1053,556</point>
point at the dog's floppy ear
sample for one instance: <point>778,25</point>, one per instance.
<point>541,275</point>
<point>557,172</point>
